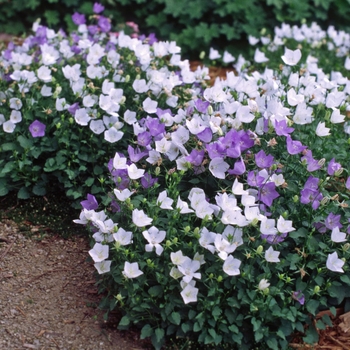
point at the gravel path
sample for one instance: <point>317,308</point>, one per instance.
<point>48,298</point>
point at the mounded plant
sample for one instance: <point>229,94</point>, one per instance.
<point>223,208</point>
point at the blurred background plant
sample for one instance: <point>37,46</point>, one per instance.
<point>223,24</point>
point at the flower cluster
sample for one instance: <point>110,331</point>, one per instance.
<point>228,204</point>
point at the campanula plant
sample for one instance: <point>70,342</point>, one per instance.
<point>223,208</point>
<point>66,99</point>
<point>234,212</point>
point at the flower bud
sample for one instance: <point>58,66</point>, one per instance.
<point>295,199</point>
<point>58,125</point>
<point>127,78</point>
<point>322,161</point>
<point>219,279</point>
<point>260,249</point>
<point>210,110</point>
<point>157,171</point>
<point>202,55</point>
<point>255,222</point>
<point>187,229</point>
<point>339,172</point>
<point>175,240</point>
<point>119,297</point>
<point>71,120</point>
<point>196,231</point>
<point>266,291</point>
<point>346,247</point>
<point>316,289</point>
<point>122,100</point>
<point>211,275</point>
<point>324,201</point>
<point>168,243</point>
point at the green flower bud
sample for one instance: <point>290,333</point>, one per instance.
<point>339,172</point>
<point>211,275</point>
<point>175,240</point>
<point>210,110</point>
<point>58,125</point>
<point>295,199</point>
<point>324,201</point>
<point>168,243</point>
<point>322,161</point>
<point>187,229</point>
<point>266,291</point>
<point>196,231</point>
<point>127,78</point>
<point>202,55</point>
<point>260,249</point>
<point>255,222</point>
<point>316,289</point>
<point>119,297</point>
<point>157,171</point>
<point>71,120</point>
<point>346,247</point>
<point>219,279</point>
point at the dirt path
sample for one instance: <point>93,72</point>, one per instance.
<point>48,298</point>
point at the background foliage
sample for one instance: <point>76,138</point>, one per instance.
<point>192,24</point>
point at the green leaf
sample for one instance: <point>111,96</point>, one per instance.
<point>272,343</point>
<point>311,336</point>
<point>124,322</point>
<point>175,318</point>
<point>186,327</point>
<point>89,181</point>
<point>23,193</point>
<point>10,146</point>
<point>8,167</point>
<point>320,325</point>
<point>345,279</point>
<point>146,331</point>
<point>24,142</point>
<point>4,189</point>
<point>155,291</point>
<point>39,190</point>
<point>196,327</point>
<point>216,312</point>
<point>312,306</point>
<point>159,332</point>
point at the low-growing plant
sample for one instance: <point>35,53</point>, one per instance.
<point>226,207</point>
<point>233,214</point>
<point>59,92</point>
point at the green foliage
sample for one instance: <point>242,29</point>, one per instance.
<point>192,24</point>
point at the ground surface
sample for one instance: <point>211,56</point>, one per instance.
<point>47,296</point>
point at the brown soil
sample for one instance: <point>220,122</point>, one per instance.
<point>48,297</point>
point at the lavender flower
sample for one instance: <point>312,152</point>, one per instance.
<point>267,193</point>
<point>90,203</point>
<point>37,129</point>
<point>78,18</point>
<point>98,8</point>
<point>294,147</point>
<point>333,221</point>
<point>148,181</point>
<point>333,167</point>
<point>299,297</point>
<point>262,160</point>
<point>104,24</point>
